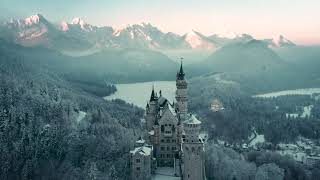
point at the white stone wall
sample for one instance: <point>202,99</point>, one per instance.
<point>193,161</point>
<point>140,167</point>
<point>182,97</point>
<point>168,139</point>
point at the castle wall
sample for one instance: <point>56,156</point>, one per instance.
<point>140,166</point>
<point>192,159</point>
<point>168,139</point>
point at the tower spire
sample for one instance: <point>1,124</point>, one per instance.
<point>180,74</point>
<point>153,96</point>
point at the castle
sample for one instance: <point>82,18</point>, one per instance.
<point>172,140</point>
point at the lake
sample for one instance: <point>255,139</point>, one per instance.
<point>139,93</point>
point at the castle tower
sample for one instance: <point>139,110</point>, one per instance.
<point>151,110</point>
<point>193,150</point>
<point>182,94</point>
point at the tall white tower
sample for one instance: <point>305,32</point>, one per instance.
<point>182,94</point>
<point>193,150</point>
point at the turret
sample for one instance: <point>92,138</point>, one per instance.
<point>182,93</point>
<point>151,110</point>
<point>193,151</point>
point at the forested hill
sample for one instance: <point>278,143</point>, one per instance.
<point>41,136</point>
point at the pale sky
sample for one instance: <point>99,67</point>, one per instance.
<point>298,20</point>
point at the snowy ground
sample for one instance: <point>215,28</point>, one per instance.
<point>306,111</point>
<point>218,77</point>
<point>81,115</point>
<point>255,139</point>
<point>139,93</point>
<point>299,149</point>
<point>204,135</point>
<point>165,173</point>
<point>308,91</point>
<point>292,115</point>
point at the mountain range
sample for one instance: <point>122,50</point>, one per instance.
<point>78,35</point>
<point>85,53</point>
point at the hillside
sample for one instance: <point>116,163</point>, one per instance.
<point>44,138</point>
<point>255,66</point>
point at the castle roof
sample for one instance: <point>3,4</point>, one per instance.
<point>162,101</point>
<point>145,151</point>
<point>180,74</point>
<point>153,95</point>
<point>171,109</point>
<point>192,120</point>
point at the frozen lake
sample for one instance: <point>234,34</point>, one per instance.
<point>308,91</point>
<point>139,93</point>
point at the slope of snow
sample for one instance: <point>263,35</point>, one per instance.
<point>64,26</point>
<point>83,25</point>
<point>165,173</point>
<point>197,42</point>
<point>81,116</point>
<point>255,139</point>
<point>34,19</point>
<point>306,111</point>
<point>77,20</point>
<point>280,41</point>
<point>308,91</point>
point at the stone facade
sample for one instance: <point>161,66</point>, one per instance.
<point>141,163</point>
<point>173,137</point>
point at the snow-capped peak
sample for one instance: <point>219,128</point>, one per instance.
<point>83,25</point>
<point>78,21</point>
<point>34,19</point>
<point>280,41</point>
<point>196,41</point>
<point>64,26</point>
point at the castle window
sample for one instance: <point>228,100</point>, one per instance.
<point>162,128</point>
<point>138,168</point>
<point>168,155</point>
<point>173,140</point>
<point>168,140</point>
<point>168,148</point>
<point>162,148</point>
<point>162,140</point>
<point>173,148</point>
<point>137,160</point>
